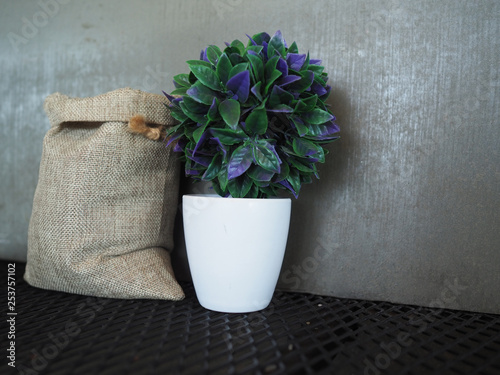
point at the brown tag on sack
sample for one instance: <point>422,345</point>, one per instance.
<point>106,200</point>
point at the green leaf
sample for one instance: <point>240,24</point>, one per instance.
<point>256,91</point>
<point>304,83</point>
<point>267,159</point>
<point>253,193</point>
<point>196,117</point>
<point>300,166</point>
<point>178,114</point>
<point>230,112</point>
<point>317,69</point>
<point>256,49</point>
<point>213,113</point>
<point>302,129</point>
<point>257,173</point>
<point>257,67</point>
<point>307,104</point>
<point>228,137</point>
<point>206,75</point>
<point>277,42</point>
<point>294,180</point>
<point>182,80</point>
<point>274,76</point>
<point>179,91</point>
<point>213,53</point>
<point>199,132</point>
<point>317,116</point>
<point>222,177</point>
<point>237,69</point>
<point>238,45</point>
<point>223,68</point>
<point>293,48</point>
<point>305,66</point>
<point>240,186</point>
<point>284,173</point>
<point>213,169</point>
<point>194,106</point>
<point>201,93</point>
<point>256,121</point>
<point>270,66</point>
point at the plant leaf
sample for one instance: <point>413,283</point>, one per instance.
<point>256,121</point>
<point>240,85</point>
<point>277,43</point>
<point>299,126</point>
<point>213,169</point>
<point>317,116</point>
<point>295,60</point>
<point>239,187</point>
<point>227,137</point>
<point>229,109</point>
<point>257,66</point>
<point>238,68</point>
<point>206,75</point>
<point>257,173</point>
<point>182,80</point>
<point>240,161</point>
<point>293,48</point>
<point>201,93</point>
<point>256,91</point>
<point>265,156</point>
<point>304,83</point>
<point>213,53</point>
<point>224,66</point>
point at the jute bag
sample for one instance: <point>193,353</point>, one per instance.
<point>106,199</point>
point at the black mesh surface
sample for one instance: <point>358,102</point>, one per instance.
<point>59,333</point>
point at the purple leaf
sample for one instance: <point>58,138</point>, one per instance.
<point>295,60</point>
<point>200,142</point>
<point>202,160</point>
<point>220,145</point>
<point>282,66</point>
<point>283,108</point>
<point>178,147</point>
<point>314,62</point>
<point>240,161</point>
<point>203,55</point>
<point>288,79</point>
<point>253,41</point>
<point>286,184</point>
<point>264,49</point>
<point>173,139</point>
<point>318,89</point>
<point>240,85</point>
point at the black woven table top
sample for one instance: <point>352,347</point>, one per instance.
<point>60,333</point>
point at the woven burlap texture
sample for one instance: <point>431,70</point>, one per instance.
<point>106,199</point>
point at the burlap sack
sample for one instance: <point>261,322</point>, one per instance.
<point>106,199</point>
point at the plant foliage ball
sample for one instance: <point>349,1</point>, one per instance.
<point>252,119</point>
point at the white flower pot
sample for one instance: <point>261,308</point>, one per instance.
<point>235,248</point>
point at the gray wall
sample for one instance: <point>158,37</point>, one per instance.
<point>407,208</point>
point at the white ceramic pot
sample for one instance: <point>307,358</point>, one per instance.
<point>235,249</point>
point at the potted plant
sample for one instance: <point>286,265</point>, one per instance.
<point>252,121</point>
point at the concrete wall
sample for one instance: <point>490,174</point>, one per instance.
<point>407,208</point>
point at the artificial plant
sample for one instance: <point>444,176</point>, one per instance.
<point>253,118</point>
